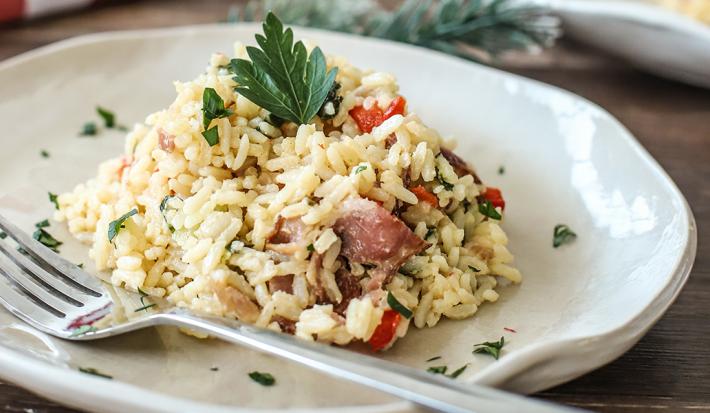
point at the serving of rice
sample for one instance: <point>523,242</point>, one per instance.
<point>209,218</point>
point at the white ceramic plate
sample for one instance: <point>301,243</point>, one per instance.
<point>566,161</point>
<point>651,37</point>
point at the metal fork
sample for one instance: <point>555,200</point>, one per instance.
<point>60,299</point>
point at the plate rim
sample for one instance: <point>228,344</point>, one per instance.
<point>71,391</point>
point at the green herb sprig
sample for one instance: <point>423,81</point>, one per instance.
<point>53,199</point>
<point>115,226</point>
<point>281,76</point>
<point>472,29</point>
<point>212,108</point>
<point>265,379</point>
<point>492,348</point>
<point>397,306</point>
<point>487,209</point>
<point>94,372</point>
<point>44,237</point>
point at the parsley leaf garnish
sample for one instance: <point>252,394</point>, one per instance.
<point>562,235</point>
<point>94,372</point>
<point>360,169</point>
<point>212,107</point>
<point>433,358</point>
<point>53,199</point>
<point>211,135</point>
<point>397,306</point>
<point>487,209</point>
<point>89,129</point>
<point>42,224</point>
<point>437,370</point>
<point>310,248</point>
<point>458,371</point>
<point>491,348</point>
<point>116,225</point>
<point>265,379</point>
<point>163,207</point>
<point>281,76</point>
<point>44,237</point>
<point>501,170</point>
<point>44,153</point>
<point>108,117</point>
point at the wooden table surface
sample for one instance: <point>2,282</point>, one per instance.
<point>669,369</point>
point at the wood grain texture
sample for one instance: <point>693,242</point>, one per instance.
<point>669,369</point>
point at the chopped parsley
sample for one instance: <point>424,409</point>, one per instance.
<point>397,306</point>
<point>214,368</point>
<point>81,265</point>
<point>282,77</point>
<point>360,169</point>
<point>487,209</point>
<point>265,379</point>
<point>211,135</point>
<point>437,370</point>
<point>163,208</point>
<point>442,370</point>
<point>501,170</point>
<point>83,330</point>
<point>429,232</point>
<point>108,117</point>
<point>3,235</point>
<point>331,106</point>
<point>492,348</point>
<point>311,248</point>
<point>44,237</point>
<point>44,153</point>
<point>458,371</point>
<point>89,129</point>
<point>53,199</point>
<point>474,269</point>
<point>433,358</point>
<point>212,107</point>
<point>562,235</point>
<point>94,372</point>
<point>42,224</point>
<point>443,182</point>
<point>115,226</point>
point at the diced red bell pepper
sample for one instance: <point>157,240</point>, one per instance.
<point>494,195</point>
<point>384,333</point>
<point>368,119</point>
<point>425,196</point>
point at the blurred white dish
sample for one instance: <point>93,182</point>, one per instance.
<point>654,38</point>
<point>566,161</point>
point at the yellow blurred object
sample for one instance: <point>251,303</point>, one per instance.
<point>698,9</point>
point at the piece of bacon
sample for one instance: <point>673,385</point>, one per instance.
<point>372,235</point>
<point>166,141</point>
<point>287,326</point>
<point>349,287</point>
<point>460,166</point>
<point>281,283</point>
<point>287,236</point>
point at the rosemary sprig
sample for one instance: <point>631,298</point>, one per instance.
<point>458,27</point>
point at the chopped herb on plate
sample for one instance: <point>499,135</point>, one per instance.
<point>89,129</point>
<point>94,372</point>
<point>211,135</point>
<point>360,169</point>
<point>45,238</point>
<point>108,117</point>
<point>501,170</point>
<point>115,226</point>
<point>458,371</point>
<point>487,209</point>
<point>492,348</point>
<point>3,235</point>
<point>562,234</point>
<point>214,368</point>
<point>265,379</point>
<point>311,248</point>
<point>53,199</point>
<point>437,370</point>
<point>433,358</point>
<point>212,107</point>
<point>42,224</point>
<point>44,153</point>
<point>397,306</point>
<point>144,308</point>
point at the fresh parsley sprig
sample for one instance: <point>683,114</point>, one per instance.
<point>115,226</point>
<point>212,108</point>
<point>562,234</point>
<point>281,76</point>
<point>492,348</point>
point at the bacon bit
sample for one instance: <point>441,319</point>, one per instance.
<point>281,283</point>
<point>384,333</point>
<point>425,196</point>
<point>494,195</point>
<point>396,107</point>
<point>166,141</point>
<point>368,119</point>
<point>126,161</point>
<point>509,329</point>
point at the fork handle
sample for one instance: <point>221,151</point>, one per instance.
<point>425,389</point>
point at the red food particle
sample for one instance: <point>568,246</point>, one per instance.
<point>368,119</point>
<point>425,196</point>
<point>494,195</point>
<point>126,162</point>
<point>384,333</point>
<point>509,329</point>
<point>396,107</point>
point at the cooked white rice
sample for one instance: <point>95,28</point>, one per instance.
<point>229,197</point>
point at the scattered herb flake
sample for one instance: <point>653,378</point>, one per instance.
<point>115,226</point>
<point>211,135</point>
<point>94,372</point>
<point>108,117</point>
<point>501,170</point>
<point>474,269</point>
<point>83,330</point>
<point>360,169</point>
<point>53,199</point>
<point>145,307</point>
<point>81,265</point>
<point>562,235</point>
<point>443,182</point>
<point>282,77</point>
<point>3,235</point>
<point>437,370</point>
<point>265,379</point>
<point>397,306</point>
<point>433,358</point>
<point>46,239</point>
<point>214,368</point>
<point>163,207</point>
<point>212,107</point>
<point>42,224</point>
<point>491,348</point>
<point>487,209</point>
<point>89,129</point>
<point>44,153</point>
<point>311,248</point>
<point>122,128</point>
<point>430,232</point>
<point>458,372</point>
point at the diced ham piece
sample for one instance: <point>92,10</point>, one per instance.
<point>287,237</point>
<point>287,326</point>
<point>239,303</point>
<point>460,166</point>
<point>372,235</point>
<point>281,283</point>
<point>349,287</point>
<point>166,141</point>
